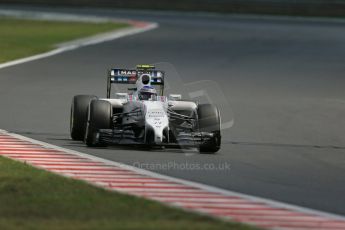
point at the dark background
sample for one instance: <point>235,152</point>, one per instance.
<point>333,8</point>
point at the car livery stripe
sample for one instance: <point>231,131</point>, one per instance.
<point>168,190</point>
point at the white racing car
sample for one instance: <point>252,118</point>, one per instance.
<point>144,116</point>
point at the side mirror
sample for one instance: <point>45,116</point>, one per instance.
<point>121,95</point>
<point>175,97</point>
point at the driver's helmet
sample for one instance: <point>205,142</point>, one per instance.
<point>146,93</point>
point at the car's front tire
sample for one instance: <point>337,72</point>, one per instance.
<point>209,121</point>
<point>78,117</point>
<point>100,115</point>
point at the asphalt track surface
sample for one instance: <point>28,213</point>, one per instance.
<point>282,78</point>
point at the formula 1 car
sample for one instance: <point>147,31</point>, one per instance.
<point>144,116</point>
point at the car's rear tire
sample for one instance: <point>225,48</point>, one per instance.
<point>209,121</point>
<point>78,117</point>
<point>100,115</point>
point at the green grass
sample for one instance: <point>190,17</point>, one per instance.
<point>21,38</point>
<point>35,199</point>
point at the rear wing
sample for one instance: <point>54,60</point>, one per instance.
<point>130,76</point>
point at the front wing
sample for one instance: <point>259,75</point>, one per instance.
<point>128,137</point>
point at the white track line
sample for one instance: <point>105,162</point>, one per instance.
<point>178,192</point>
<point>181,193</point>
<point>137,27</point>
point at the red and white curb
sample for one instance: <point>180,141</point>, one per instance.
<point>172,191</point>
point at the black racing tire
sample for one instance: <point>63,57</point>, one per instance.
<point>78,116</point>
<point>100,115</point>
<point>209,121</point>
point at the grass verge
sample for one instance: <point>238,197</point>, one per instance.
<point>21,38</point>
<point>35,199</point>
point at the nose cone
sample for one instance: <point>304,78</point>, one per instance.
<point>156,119</point>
